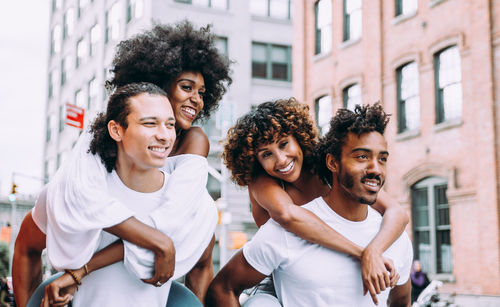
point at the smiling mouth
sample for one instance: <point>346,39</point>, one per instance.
<point>189,112</point>
<point>158,149</point>
<point>287,168</point>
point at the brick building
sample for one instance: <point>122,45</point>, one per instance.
<point>434,65</point>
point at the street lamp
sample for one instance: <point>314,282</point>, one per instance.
<point>13,202</point>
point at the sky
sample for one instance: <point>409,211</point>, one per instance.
<point>24,40</point>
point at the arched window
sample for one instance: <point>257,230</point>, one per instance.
<point>431,225</point>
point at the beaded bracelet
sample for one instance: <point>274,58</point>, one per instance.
<point>75,278</point>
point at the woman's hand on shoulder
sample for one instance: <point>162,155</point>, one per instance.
<point>193,141</point>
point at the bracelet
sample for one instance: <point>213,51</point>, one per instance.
<point>86,270</point>
<point>75,278</point>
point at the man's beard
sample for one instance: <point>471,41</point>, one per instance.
<point>347,181</point>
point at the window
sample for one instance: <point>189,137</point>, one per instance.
<point>113,23</point>
<point>55,39</point>
<point>431,225</point>
<point>56,4</point>
<point>406,7</point>
<point>82,4</point>
<point>351,96</point>
<point>48,131</point>
<point>51,84</point>
<point>323,26</point>
<point>218,4</point>
<point>80,98</point>
<point>134,9</point>
<point>68,22</point>
<point>62,118</point>
<point>408,98</point>
<point>93,92</point>
<point>280,9</point>
<point>95,38</point>
<point>81,52</point>
<point>352,19</point>
<point>221,45</point>
<point>324,111</point>
<point>271,61</point>
<point>448,77</point>
<point>66,69</point>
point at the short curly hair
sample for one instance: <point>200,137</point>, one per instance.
<point>364,119</point>
<point>118,109</point>
<point>269,122</point>
<point>161,54</point>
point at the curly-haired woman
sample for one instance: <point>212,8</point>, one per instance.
<point>271,151</point>
<point>184,62</point>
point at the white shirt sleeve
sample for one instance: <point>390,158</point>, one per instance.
<point>39,212</point>
<point>267,250</point>
<point>406,261</point>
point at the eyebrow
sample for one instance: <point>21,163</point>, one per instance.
<point>154,118</point>
<point>384,152</point>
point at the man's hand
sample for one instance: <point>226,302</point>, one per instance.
<point>164,264</point>
<point>60,291</point>
<point>378,273</point>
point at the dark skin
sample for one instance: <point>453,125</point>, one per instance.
<point>270,200</point>
<point>238,275</point>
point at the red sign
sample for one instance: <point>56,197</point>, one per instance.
<point>74,116</point>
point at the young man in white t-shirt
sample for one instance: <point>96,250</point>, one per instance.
<point>133,139</point>
<point>352,158</point>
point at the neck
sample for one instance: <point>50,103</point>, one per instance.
<point>345,205</point>
<point>140,180</point>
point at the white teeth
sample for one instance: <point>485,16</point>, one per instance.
<point>373,184</point>
<point>158,149</point>
<point>287,168</point>
<point>189,110</point>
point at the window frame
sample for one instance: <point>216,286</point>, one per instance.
<point>318,47</point>
<point>269,63</point>
<point>400,103</point>
<point>347,36</point>
<point>345,95</point>
<point>430,185</point>
<point>440,116</point>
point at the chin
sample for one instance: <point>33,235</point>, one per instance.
<point>367,201</point>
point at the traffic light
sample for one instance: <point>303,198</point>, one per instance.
<point>14,189</point>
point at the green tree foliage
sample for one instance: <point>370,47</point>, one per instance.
<point>4,259</point>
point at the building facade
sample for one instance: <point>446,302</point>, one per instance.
<point>434,65</point>
<point>256,35</point>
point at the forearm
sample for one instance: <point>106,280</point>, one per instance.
<point>110,254</point>
<point>200,276</point>
<point>26,275</point>
<point>309,227</point>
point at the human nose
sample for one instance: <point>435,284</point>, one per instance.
<point>197,98</point>
<point>375,167</point>
<point>280,158</point>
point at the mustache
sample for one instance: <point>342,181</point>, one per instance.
<point>370,177</point>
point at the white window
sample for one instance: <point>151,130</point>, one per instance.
<point>113,23</point>
<point>93,92</point>
<point>323,25</point>
<point>406,7</point>
<point>56,40</point>
<point>448,82</point>
<point>82,50</point>
<point>352,19</point>
<point>324,112</point>
<point>408,97</point>
<point>135,9</point>
<point>95,38</point>
<point>69,22</point>
<point>352,96</point>
<point>80,98</point>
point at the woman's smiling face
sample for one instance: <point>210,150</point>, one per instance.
<point>186,97</point>
<point>282,158</point>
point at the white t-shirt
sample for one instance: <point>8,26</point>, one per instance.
<point>114,285</point>
<point>307,274</point>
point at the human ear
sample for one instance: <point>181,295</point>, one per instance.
<point>331,163</point>
<point>115,130</point>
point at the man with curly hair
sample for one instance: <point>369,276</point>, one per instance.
<point>133,139</point>
<point>352,156</point>
<point>184,61</point>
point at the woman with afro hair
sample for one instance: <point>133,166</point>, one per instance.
<point>183,61</point>
<point>271,150</point>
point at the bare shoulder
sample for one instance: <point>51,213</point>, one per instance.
<point>262,184</point>
<point>194,141</point>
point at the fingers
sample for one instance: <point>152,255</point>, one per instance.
<point>373,293</point>
<point>394,279</point>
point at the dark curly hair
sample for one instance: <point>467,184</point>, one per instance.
<point>269,122</point>
<point>363,119</point>
<point>161,54</point>
<point>118,109</point>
